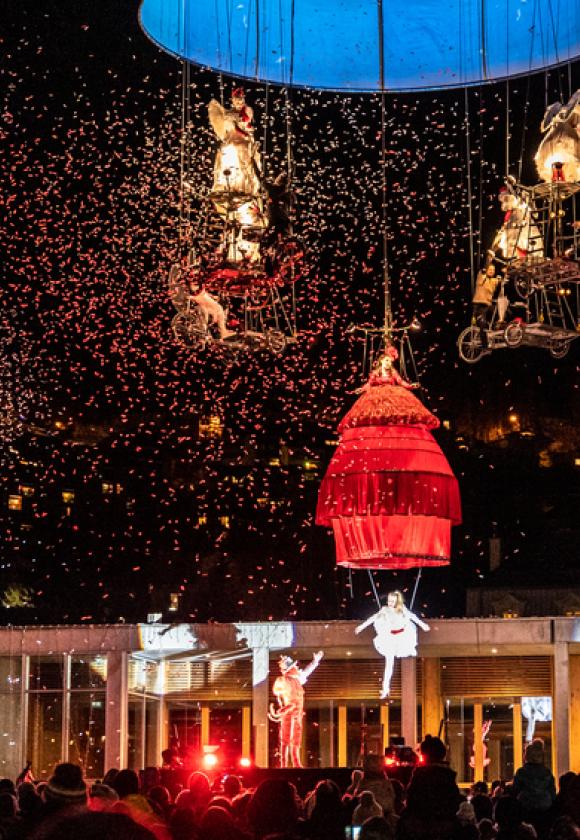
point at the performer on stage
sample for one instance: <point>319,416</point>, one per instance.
<point>289,691</point>
<point>396,633</point>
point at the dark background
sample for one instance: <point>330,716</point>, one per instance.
<point>96,394</point>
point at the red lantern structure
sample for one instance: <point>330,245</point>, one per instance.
<point>389,493</point>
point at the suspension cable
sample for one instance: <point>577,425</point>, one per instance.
<point>469,190</point>
<point>387,312</point>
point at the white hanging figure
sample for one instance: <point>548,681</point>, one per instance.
<point>396,634</point>
<point>518,236</point>
<point>237,191</point>
<point>237,164</point>
<point>535,709</point>
<point>558,155</point>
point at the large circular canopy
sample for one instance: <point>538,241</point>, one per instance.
<point>334,44</point>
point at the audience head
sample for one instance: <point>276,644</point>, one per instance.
<point>66,786</point>
<point>232,786</point>
<point>433,749</point>
<point>535,752</point>
<point>7,786</point>
<point>126,783</point>
<point>102,797</point>
<point>482,806</point>
<point>95,826</point>
<point>486,829</point>
<point>376,828</point>
<point>7,805</point>
<point>183,824</point>
<point>508,812</point>
<point>218,824</point>
<point>273,808</point>
<point>564,828</point>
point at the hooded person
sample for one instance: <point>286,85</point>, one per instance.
<point>534,786</point>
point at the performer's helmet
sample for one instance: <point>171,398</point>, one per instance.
<point>286,662</point>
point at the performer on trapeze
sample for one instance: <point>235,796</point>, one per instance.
<point>289,691</point>
<point>396,631</point>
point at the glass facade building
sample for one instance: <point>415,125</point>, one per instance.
<point>106,696</point>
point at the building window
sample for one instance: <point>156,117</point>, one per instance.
<point>210,428</point>
<point>15,501</point>
<point>68,497</point>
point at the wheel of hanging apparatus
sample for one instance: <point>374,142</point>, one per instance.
<point>276,341</point>
<point>559,347</point>
<point>469,345</point>
<point>514,334</point>
<point>189,329</point>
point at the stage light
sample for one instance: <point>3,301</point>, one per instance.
<point>209,761</point>
<point>245,762</point>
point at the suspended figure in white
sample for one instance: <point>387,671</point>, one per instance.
<point>558,156</point>
<point>396,634</point>
<point>518,237</point>
<point>237,189</point>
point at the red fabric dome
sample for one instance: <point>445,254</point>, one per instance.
<point>389,493</point>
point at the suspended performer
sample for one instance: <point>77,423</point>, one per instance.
<point>186,292</point>
<point>518,236</point>
<point>238,164</point>
<point>396,634</point>
<point>486,284</point>
<point>558,155</point>
<point>289,692</point>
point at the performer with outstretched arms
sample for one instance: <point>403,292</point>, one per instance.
<point>396,631</point>
<point>289,691</point>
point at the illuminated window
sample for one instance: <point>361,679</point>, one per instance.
<point>511,614</point>
<point>174,601</point>
<point>15,502</point>
<point>446,424</point>
<point>107,488</point>
<point>225,521</point>
<point>202,520</point>
<point>262,502</point>
<point>68,497</point>
<point>27,490</point>
<point>310,465</point>
<point>211,427</point>
<point>577,462</point>
<point>274,462</point>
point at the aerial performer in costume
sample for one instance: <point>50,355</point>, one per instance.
<point>289,692</point>
<point>237,189</point>
<point>558,155</point>
<point>518,236</point>
<point>396,634</point>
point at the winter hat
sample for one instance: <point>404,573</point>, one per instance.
<point>535,752</point>
<point>66,786</point>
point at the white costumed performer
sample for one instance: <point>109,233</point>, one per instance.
<point>396,629</point>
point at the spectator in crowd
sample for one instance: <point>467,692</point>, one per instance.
<point>273,808</point>
<point>534,787</point>
<point>432,797</point>
<point>367,808</point>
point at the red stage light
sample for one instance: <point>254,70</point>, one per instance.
<point>245,762</point>
<point>209,761</point>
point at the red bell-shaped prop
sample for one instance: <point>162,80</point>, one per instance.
<point>389,492</point>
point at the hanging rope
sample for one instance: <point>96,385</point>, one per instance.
<point>388,316</point>
<point>469,190</point>
<point>374,588</point>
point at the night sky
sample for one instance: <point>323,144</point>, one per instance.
<point>99,393</point>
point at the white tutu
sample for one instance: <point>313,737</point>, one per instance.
<point>396,634</point>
